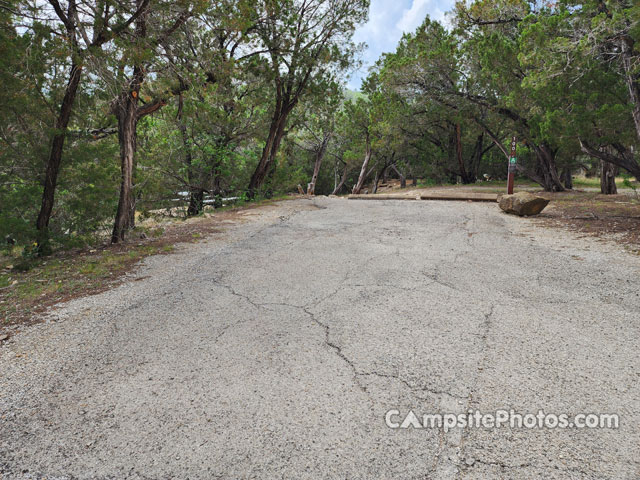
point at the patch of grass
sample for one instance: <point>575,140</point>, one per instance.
<point>52,280</point>
<point>594,182</point>
<point>70,274</point>
<point>156,232</point>
<point>426,182</point>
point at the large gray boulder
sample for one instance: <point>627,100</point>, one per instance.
<point>522,203</point>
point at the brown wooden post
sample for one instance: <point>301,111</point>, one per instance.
<point>511,172</point>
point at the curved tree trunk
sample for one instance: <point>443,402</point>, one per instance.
<point>401,176</point>
<point>272,145</point>
<point>55,153</point>
<point>546,168</point>
<point>343,179</point>
<point>311,190</point>
<point>618,155</point>
<point>363,171</point>
<point>377,178</point>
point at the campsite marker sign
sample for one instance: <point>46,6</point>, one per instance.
<point>513,161</point>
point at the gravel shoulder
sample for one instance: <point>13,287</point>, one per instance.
<point>275,349</point>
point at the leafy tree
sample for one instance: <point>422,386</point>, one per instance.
<point>308,44</point>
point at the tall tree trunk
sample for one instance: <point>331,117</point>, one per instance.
<point>196,194</point>
<point>128,114</point>
<point>318,162</point>
<point>196,202</point>
<point>546,168</point>
<point>632,79</point>
<point>127,124</point>
<point>380,174</point>
<point>401,176</point>
<point>365,164</point>
<point>476,158</point>
<point>463,170</point>
<point>55,153</point>
<point>343,179</point>
<point>567,179</point>
<point>608,172</point>
<point>276,133</point>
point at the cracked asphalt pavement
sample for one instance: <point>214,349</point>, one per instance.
<point>275,349</point>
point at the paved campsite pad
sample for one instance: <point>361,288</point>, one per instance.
<point>275,352</point>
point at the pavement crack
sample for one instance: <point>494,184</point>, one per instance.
<point>235,293</point>
<point>414,388</point>
<point>470,463</point>
<point>486,327</point>
<point>336,348</point>
<point>435,277</point>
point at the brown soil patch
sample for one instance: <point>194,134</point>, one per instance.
<point>611,217</point>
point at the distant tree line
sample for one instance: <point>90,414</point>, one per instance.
<point>563,77</point>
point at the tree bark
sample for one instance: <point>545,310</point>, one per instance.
<point>403,178</point>
<point>365,164</point>
<point>127,136</point>
<point>632,79</point>
<point>567,179</point>
<point>343,179</point>
<point>608,172</point>
<point>196,202</point>
<point>55,153</point>
<point>128,113</point>
<point>546,168</point>
<point>270,150</point>
<point>463,170</point>
<point>476,158</point>
<point>196,194</point>
<point>380,174</point>
<point>320,151</point>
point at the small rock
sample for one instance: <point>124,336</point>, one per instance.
<point>4,337</point>
<point>143,235</point>
<point>470,461</point>
<point>522,203</point>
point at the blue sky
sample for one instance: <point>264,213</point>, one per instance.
<point>388,19</point>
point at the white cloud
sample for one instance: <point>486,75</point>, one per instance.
<point>414,16</point>
<point>388,19</point>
